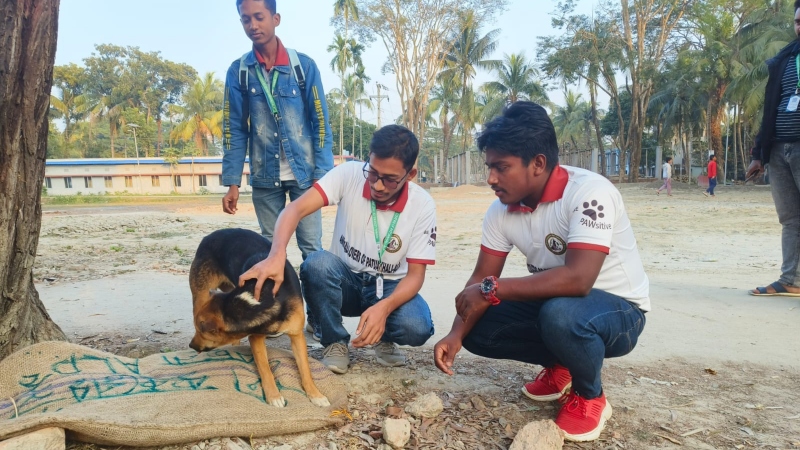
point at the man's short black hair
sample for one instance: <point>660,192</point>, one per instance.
<point>796,5</point>
<point>523,130</point>
<point>270,4</point>
<point>669,158</point>
<point>395,141</point>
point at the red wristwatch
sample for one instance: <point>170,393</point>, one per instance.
<point>489,289</point>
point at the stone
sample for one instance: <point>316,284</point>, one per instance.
<point>283,447</point>
<point>428,406</point>
<point>396,432</point>
<point>464,406</point>
<point>478,403</point>
<point>45,439</point>
<point>539,435</point>
<point>372,399</point>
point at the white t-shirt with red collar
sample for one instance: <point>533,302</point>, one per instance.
<point>414,237</point>
<point>579,210</point>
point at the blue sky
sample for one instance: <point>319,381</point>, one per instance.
<point>207,35</point>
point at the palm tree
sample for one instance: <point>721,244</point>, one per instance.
<point>468,52</point>
<point>201,112</point>
<point>346,9</point>
<point>347,53</point>
<point>517,79</point>
<point>356,91</point>
<point>445,100</point>
<point>572,121</point>
<point>108,107</point>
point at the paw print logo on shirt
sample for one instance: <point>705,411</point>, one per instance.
<point>593,210</point>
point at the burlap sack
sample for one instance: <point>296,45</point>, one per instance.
<point>166,398</point>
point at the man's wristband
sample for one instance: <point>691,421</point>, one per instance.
<point>489,290</point>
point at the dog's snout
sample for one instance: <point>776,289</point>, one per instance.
<point>196,347</point>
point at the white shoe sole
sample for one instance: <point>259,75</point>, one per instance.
<point>388,364</point>
<point>594,434</point>
<point>547,398</point>
<point>337,369</point>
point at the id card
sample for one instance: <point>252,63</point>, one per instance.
<point>793,103</point>
<point>379,286</point>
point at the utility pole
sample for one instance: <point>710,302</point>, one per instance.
<point>379,97</point>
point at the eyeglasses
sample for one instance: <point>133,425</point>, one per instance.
<point>373,177</point>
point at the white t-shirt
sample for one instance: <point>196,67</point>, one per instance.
<point>414,237</point>
<point>580,210</point>
<point>666,171</point>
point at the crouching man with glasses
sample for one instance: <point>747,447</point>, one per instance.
<point>383,240</point>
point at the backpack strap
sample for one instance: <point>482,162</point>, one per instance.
<point>297,70</point>
<point>243,88</point>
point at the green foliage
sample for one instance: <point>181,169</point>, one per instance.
<point>116,86</point>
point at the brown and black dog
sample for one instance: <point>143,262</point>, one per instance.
<point>225,313</point>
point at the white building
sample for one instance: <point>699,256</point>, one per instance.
<point>148,176</point>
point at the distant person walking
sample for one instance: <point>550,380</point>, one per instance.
<point>666,173</point>
<point>712,176</point>
<point>778,144</point>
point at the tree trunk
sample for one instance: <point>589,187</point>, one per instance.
<point>111,135</point>
<point>735,142</point>
<point>28,31</point>
<point>160,136</point>
<point>716,113</point>
<point>596,122</point>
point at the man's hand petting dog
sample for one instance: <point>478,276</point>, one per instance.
<point>371,326</point>
<point>470,301</point>
<point>267,269</point>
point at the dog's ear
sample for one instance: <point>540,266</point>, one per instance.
<point>208,326</point>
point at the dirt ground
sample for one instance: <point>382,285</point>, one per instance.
<point>715,368</point>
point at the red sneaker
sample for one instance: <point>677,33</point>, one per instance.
<point>551,384</point>
<point>583,420</point>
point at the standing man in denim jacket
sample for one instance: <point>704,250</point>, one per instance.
<point>778,145</point>
<point>288,137</point>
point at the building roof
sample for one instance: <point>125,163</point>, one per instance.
<point>123,161</point>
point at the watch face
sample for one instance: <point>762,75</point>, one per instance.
<point>486,286</point>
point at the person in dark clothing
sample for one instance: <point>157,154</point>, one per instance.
<point>778,146</point>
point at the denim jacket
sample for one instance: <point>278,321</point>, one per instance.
<point>304,135</point>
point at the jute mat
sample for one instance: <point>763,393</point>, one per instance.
<point>166,398</point>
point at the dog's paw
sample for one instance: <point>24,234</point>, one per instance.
<point>320,401</point>
<point>279,402</point>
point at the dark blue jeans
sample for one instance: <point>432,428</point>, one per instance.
<point>712,183</point>
<point>332,290</point>
<point>577,333</point>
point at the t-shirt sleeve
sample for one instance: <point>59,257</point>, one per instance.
<point>494,241</point>
<point>592,214</point>
<point>335,183</point>
<point>423,238</point>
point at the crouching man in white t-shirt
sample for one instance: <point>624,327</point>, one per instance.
<point>587,293</point>
<point>383,240</point>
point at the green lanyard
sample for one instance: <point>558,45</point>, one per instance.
<point>388,238</point>
<point>267,91</point>
<point>797,63</point>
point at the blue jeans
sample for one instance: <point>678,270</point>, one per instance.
<point>712,183</point>
<point>269,203</point>
<point>577,333</point>
<point>784,176</point>
<point>332,290</point>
